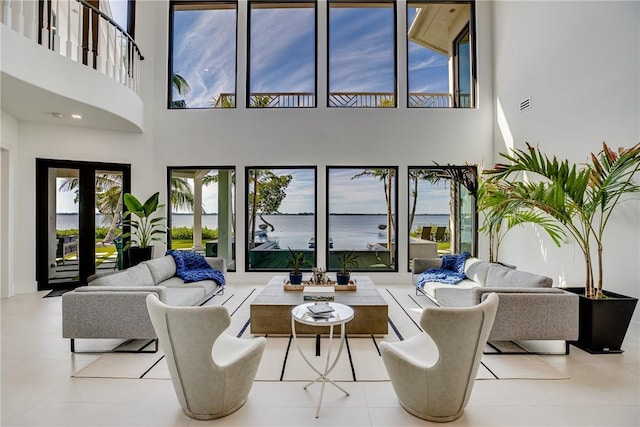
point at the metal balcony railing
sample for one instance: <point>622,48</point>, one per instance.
<point>336,99</point>
<point>79,31</point>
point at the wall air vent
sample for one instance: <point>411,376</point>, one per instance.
<point>525,104</point>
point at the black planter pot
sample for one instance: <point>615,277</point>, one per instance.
<point>137,255</point>
<point>295,279</point>
<point>603,322</point>
<point>342,279</point>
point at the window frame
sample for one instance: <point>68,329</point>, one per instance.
<point>248,93</point>
<point>394,6</point>
<point>472,55</point>
<point>392,253</point>
<point>455,174</point>
<point>198,5</point>
<point>247,191</point>
<point>232,204</point>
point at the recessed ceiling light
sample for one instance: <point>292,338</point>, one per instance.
<point>76,116</point>
<point>452,11</point>
<point>57,115</point>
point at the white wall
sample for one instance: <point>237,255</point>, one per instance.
<point>579,63</point>
<point>8,156</point>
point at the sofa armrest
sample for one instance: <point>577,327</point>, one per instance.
<point>421,265</point>
<point>159,290</point>
<point>100,313</point>
<point>218,263</point>
<point>533,313</point>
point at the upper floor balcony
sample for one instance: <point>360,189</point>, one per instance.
<point>67,62</point>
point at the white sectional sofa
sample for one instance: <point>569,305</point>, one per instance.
<point>529,309</point>
<point>114,305</point>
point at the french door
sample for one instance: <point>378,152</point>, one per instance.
<point>78,220</point>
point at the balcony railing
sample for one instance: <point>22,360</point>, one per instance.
<point>79,31</point>
<point>336,99</point>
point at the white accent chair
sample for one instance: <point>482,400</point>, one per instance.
<point>212,372</point>
<point>433,372</point>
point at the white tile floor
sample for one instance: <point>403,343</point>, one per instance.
<point>37,390</point>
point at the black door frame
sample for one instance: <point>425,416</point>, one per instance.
<point>86,245</point>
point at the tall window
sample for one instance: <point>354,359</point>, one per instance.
<point>282,54</point>
<point>281,215</point>
<point>442,210</point>
<point>362,205</point>
<point>440,61</point>
<point>202,67</point>
<point>362,54</point>
<point>202,211</point>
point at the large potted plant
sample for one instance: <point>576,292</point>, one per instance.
<point>146,227</point>
<point>347,261</point>
<point>296,262</point>
<point>580,200</point>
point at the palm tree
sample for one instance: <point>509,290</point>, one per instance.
<point>181,85</point>
<point>387,177</point>
<point>581,200</point>
<point>417,175</point>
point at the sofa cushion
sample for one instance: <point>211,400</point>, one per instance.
<point>208,286</point>
<point>430,287</point>
<point>138,275</point>
<point>161,268</point>
<point>183,296</point>
<point>501,276</point>
<point>476,270</point>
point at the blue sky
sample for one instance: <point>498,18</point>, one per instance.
<point>361,53</point>
<point>361,195</point>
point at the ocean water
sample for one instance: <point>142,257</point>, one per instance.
<point>295,231</point>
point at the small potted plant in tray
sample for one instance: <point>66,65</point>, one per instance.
<point>296,262</point>
<point>347,261</point>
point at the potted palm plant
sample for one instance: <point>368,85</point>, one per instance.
<point>347,261</point>
<point>296,262</point>
<point>146,226</point>
<point>579,202</point>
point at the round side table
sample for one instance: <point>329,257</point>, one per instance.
<point>340,316</point>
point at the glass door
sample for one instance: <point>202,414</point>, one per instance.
<point>79,219</point>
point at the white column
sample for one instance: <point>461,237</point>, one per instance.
<point>197,211</point>
<point>225,216</point>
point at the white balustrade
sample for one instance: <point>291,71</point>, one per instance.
<point>97,41</point>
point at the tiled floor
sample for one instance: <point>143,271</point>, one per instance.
<point>37,390</point>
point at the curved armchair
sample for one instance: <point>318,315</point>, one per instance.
<point>434,382</point>
<point>212,372</point>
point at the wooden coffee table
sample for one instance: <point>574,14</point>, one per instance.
<point>271,309</point>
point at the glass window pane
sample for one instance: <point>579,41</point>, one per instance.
<point>432,43</point>
<point>441,211</point>
<point>203,62</point>
<point>202,212</point>
<point>362,54</point>
<point>282,216</point>
<point>282,60</point>
<point>362,207</point>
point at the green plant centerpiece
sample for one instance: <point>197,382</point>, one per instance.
<point>565,199</point>
<point>146,226</point>
<point>347,261</point>
<point>296,262</point>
